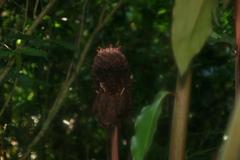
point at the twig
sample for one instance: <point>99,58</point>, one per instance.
<point>5,71</point>
<point>102,14</point>
<point>202,152</point>
<point>97,29</point>
<point>66,84</point>
<point>2,3</point>
<point>35,9</point>
<point>81,27</point>
<point>26,14</point>
<point>5,105</point>
<point>180,117</point>
<point>38,20</point>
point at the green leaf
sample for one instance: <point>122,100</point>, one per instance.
<point>6,53</point>
<point>192,24</point>
<point>65,44</point>
<point>145,127</point>
<point>31,52</point>
<point>25,81</point>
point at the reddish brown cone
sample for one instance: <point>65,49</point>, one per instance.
<point>112,79</point>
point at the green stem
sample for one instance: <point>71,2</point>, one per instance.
<point>231,146</point>
<point>180,117</point>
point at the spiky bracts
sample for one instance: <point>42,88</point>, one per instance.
<point>112,80</point>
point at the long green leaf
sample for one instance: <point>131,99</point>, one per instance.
<point>145,127</point>
<point>6,53</point>
<point>192,24</point>
<point>31,52</point>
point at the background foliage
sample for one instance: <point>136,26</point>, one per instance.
<point>38,65</point>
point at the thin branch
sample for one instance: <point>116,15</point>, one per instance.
<point>2,3</point>
<point>5,105</point>
<point>26,13</point>
<point>35,9</point>
<point>97,29</point>
<point>201,152</point>
<point>81,27</point>
<point>102,14</point>
<point>66,84</point>
<point>38,20</point>
<point>5,71</point>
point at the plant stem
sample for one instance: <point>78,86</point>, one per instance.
<point>38,20</point>
<point>237,73</point>
<point>180,117</point>
<point>5,70</point>
<point>231,147</point>
<point>237,59</point>
<point>114,144</point>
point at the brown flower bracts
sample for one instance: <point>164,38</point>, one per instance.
<point>112,80</point>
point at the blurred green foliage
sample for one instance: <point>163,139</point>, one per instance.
<point>142,28</point>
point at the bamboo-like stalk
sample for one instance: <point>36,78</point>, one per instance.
<point>114,144</point>
<point>180,117</point>
<point>237,37</point>
<point>230,149</point>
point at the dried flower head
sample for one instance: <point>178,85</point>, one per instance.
<point>112,80</point>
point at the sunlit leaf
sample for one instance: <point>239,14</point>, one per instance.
<point>57,24</point>
<point>145,127</point>
<point>192,24</point>
<point>30,96</point>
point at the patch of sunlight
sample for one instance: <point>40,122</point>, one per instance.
<point>36,119</point>
<point>30,96</point>
<point>66,122</point>
<point>23,71</point>
<point>64,19</point>
<point>33,155</point>
<point>18,42</point>
<point>57,25</point>
<point>69,123</point>
<point>225,137</point>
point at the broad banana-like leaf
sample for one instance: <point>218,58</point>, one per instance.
<point>192,24</point>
